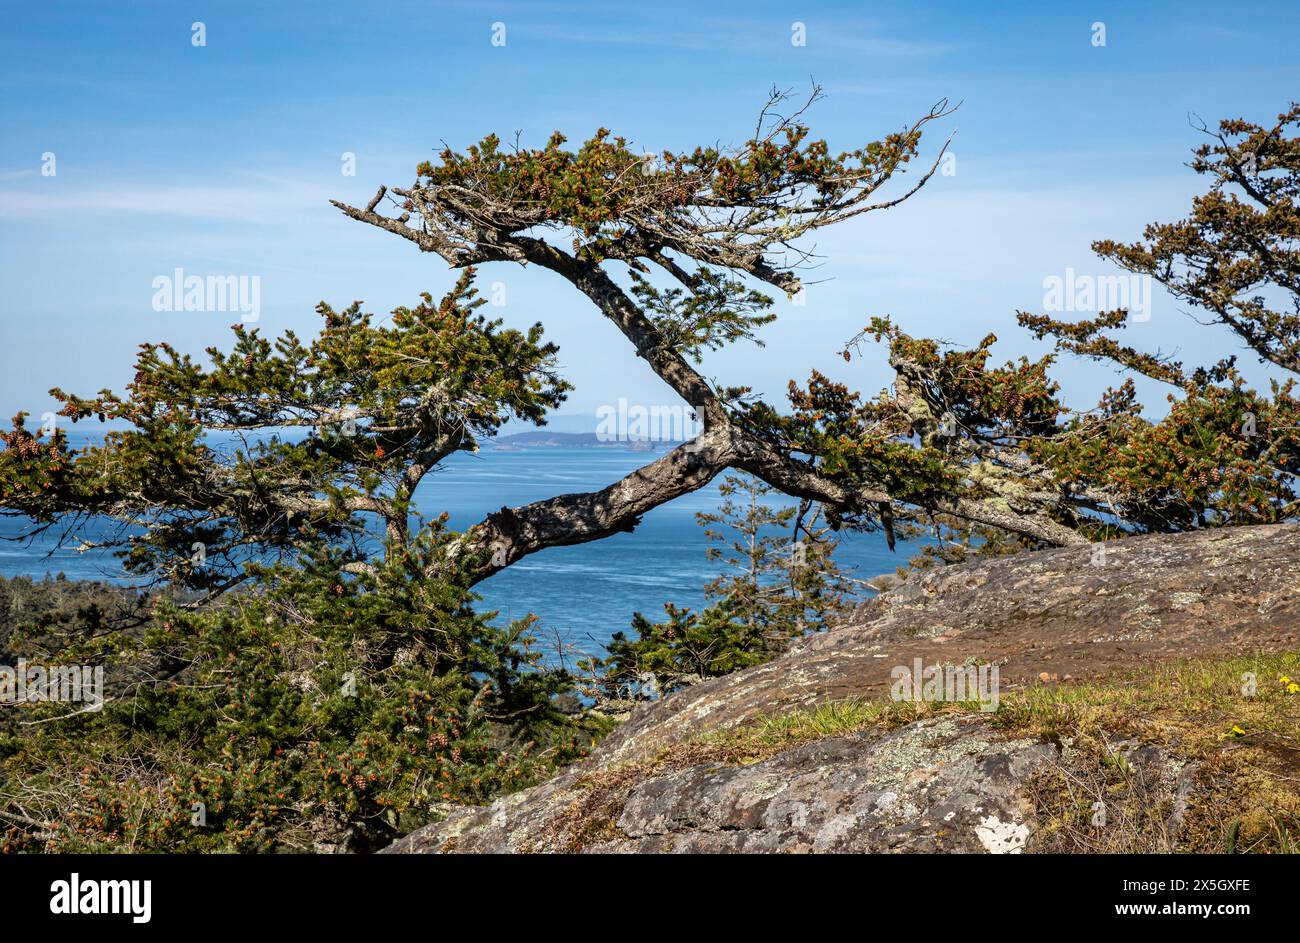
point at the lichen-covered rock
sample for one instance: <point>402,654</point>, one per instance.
<point>937,785</point>
<point>951,783</point>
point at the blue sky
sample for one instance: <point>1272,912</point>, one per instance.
<point>220,159</point>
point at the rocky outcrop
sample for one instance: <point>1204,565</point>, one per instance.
<point>937,784</point>
<point>945,783</point>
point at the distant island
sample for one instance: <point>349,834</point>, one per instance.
<point>574,440</point>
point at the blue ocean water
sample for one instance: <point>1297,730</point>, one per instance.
<point>581,594</point>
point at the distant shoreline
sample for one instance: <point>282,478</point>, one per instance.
<point>575,440</point>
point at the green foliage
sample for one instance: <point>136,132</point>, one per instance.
<point>323,711</point>
<point>716,312</point>
<point>1225,453</point>
<point>684,648</point>
<point>1236,251</point>
<point>779,574</point>
<point>605,191</point>
<point>302,691</point>
<point>383,403</point>
<point>779,583</point>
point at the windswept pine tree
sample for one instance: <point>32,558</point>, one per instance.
<point>959,444</point>
<point>712,223</point>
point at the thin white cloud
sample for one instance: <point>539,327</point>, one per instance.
<point>267,201</point>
